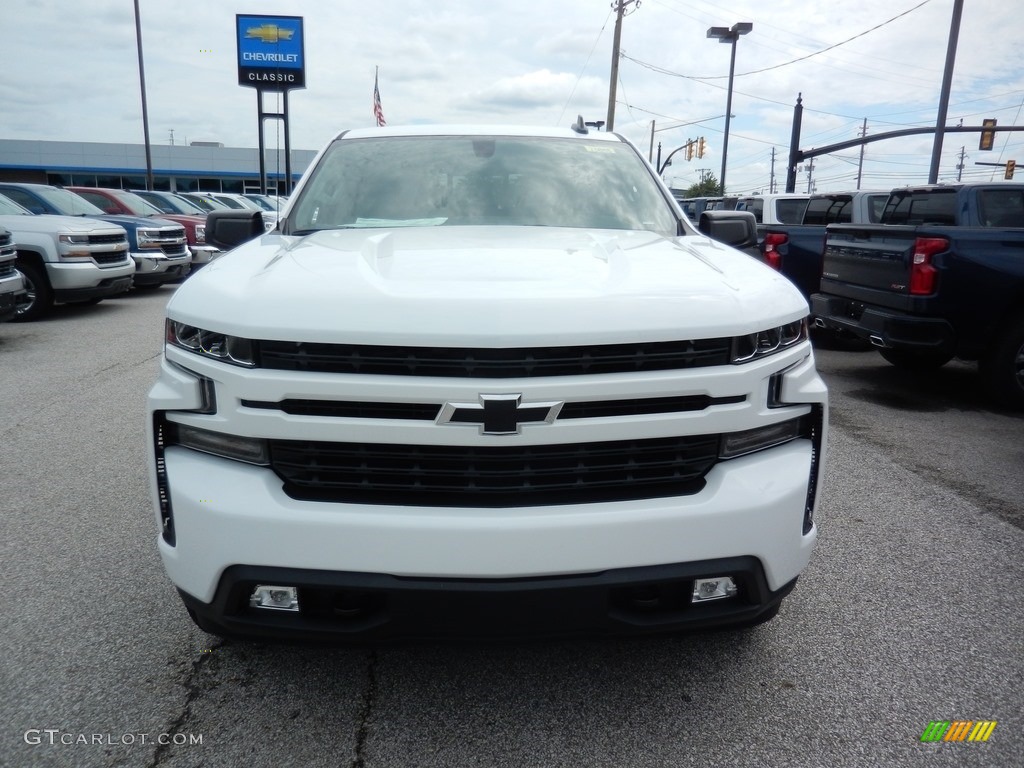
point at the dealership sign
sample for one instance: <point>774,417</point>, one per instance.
<point>270,52</point>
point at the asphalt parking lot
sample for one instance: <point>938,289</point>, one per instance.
<point>909,612</point>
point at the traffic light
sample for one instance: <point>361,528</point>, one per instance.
<point>689,149</point>
<point>1010,165</point>
<point>987,137</point>
<point>700,147</point>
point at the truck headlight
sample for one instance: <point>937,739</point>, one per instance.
<point>219,346</point>
<point>148,238</point>
<point>70,243</point>
<point>200,233</point>
<point>753,346</point>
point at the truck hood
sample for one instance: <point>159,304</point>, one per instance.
<point>49,223</point>
<point>488,286</point>
<point>131,223</point>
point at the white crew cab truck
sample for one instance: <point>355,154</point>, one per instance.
<point>483,381</point>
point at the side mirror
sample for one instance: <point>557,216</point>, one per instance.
<point>228,229</point>
<point>735,228</point>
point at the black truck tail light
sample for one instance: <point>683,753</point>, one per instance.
<point>923,273</point>
<point>772,241</point>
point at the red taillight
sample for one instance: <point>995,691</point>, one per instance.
<point>922,272</point>
<point>772,241</point>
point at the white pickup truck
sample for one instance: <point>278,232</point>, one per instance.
<point>483,381</point>
<point>65,259</point>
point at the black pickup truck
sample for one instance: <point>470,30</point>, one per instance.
<point>795,249</point>
<point>942,276</point>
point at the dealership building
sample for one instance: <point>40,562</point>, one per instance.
<point>195,167</point>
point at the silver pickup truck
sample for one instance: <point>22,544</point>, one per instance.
<point>65,259</point>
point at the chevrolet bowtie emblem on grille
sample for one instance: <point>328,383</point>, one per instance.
<point>499,414</point>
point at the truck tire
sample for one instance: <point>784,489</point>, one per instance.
<point>38,298</point>
<point>1002,369</point>
<point>915,361</point>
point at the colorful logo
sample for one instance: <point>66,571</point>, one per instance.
<point>270,33</point>
<point>958,730</point>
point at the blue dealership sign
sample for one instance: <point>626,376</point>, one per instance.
<point>270,52</point>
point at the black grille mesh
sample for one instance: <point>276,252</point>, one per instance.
<point>492,363</point>
<point>420,475</point>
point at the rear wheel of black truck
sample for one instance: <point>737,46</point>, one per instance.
<point>915,361</point>
<point>1003,367</point>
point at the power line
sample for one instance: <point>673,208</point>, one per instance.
<point>823,50</point>
<point>579,77</point>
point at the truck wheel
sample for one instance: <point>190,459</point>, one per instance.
<point>38,298</point>
<point>915,361</point>
<point>1003,367</point>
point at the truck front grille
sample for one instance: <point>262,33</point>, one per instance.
<point>174,251</point>
<point>109,258</point>
<point>107,239</point>
<point>462,476</point>
<point>492,363</point>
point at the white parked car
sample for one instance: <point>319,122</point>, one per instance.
<point>488,381</point>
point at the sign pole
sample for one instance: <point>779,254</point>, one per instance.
<point>271,57</point>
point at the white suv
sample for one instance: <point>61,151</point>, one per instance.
<point>483,381</point>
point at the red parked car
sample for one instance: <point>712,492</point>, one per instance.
<point>120,201</point>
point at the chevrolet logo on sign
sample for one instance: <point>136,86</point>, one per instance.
<point>499,414</point>
<point>270,33</point>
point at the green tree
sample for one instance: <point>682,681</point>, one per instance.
<point>708,186</point>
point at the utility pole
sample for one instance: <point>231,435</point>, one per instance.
<point>620,8</point>
<point>960,165</point>
<point>810,174</point>
<point>860,163</point>
<point>771,182</point>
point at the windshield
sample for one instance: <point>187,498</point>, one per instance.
<point>239,204</point>
<point>468,180</point>
<point>206,203</point>
<point>68,203</point>
<point>263,202</point>
<point>10,208</point>
<point>178,204</point>
<point>136,204</point>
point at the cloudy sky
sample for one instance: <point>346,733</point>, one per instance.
<point>71,74</point>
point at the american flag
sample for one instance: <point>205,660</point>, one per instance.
<point>378,110</point>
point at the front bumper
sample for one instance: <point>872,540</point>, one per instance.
<point>228,514</point>
<point>203,254</point>
<point>156,269</point>
<point>375,607</point>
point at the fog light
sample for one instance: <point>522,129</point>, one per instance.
<point>713,589</point>
<point>275,598</point>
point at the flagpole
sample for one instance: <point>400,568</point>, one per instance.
<point>378,110</point>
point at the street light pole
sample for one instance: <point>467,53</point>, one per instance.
<point>726,35</point>
<point>142,87</point>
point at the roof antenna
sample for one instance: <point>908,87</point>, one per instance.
<point>579,126</point>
